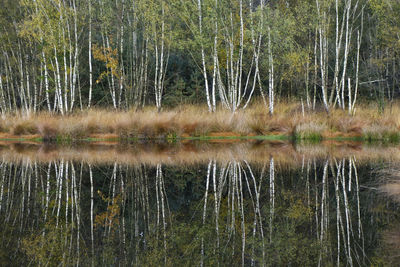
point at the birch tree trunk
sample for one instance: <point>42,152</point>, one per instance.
<point>338,43</point>
<point>271,75</point>
<point>3,106</point>
<point>90,55</point>
<point>203,60</point>
<point>121,79</point>
<point>323,56</point>
<point>359,39</point>
<point>76,59</point>
<point>58,84</point>
<point>161,61</point>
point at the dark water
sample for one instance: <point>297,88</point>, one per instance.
<point>311,209</point>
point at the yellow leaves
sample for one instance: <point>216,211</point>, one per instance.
<point>109,56</point>
<point>377,5</point>
<point>109,218</point>
<point>298,209</point>
<point>295,62</point>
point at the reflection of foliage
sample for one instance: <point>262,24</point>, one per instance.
<point>290,243</point>
<point>297,208</point>
<point>124,234</point>
<point>110,217</point>
<point>48,247</point>
<point>388,239</point>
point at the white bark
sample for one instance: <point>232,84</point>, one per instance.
<point>203,60</point>
<point>90,55</point>
<point>346,51</point>
<point>46,82</point>
<point>338,43</point>
<point>3,103</point>
<point>359,39</point>
<point>323,53</point>
<point>58,84</point>
<point>161,61</point>
<point>112,87</point>
<point>271,75</point>
<point>121,78</point>
<point>76,59</point>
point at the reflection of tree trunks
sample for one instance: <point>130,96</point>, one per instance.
<point>352,163</point>
<point>26,195</point>
<point>60,182</point>
<point>216,201</point>
<point>158,203</point>
<point>338,215</point>
<point>147,197</point>
<point>77,210</point>
<point>253,204</point>
<point>23,172</point>
<point>91,212</point>
<point>324,212</point>
<point>205,210</point>
<point>161,190</point>
<point>112,185</point>
<point>347,212</point>
<point>3,169</point>
<point>271,195</point>
<point>123,230</point>
<point>308,185</point>
<point>47,191</point>
<point>360,230</point>
<point>256,206</point>
<point>344,226</point>
<point>240,195</point>
<point>259,213</point>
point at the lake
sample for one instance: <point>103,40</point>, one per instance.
<point>196,203</point>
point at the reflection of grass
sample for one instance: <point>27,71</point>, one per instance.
<point>190,152</point>
<point>197,123</point>
<point>260,137</point>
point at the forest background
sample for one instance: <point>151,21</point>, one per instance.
<point>63,56</point>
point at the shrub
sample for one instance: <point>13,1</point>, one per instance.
<point>25,128</point>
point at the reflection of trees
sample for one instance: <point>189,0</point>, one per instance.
<point>222,213</point>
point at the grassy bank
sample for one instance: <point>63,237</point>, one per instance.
<point>195,122</point>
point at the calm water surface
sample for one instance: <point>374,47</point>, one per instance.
<point>199,204</point>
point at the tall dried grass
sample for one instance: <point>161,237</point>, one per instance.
<point>288,120</point>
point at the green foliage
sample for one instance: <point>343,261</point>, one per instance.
<point>388,16</point>
<point>48,249</point>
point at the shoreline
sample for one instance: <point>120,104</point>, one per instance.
<point>214,137</point>
<point>289,122</point>
<point>195,152</point>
